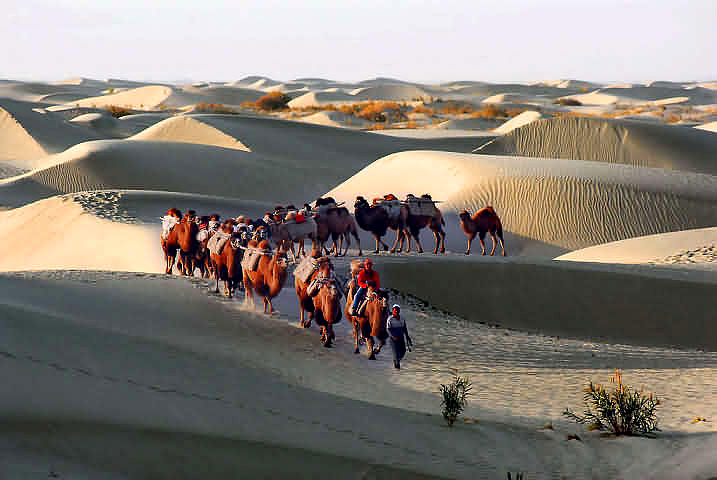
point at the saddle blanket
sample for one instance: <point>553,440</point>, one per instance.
<point>297,230</point>
<point>251,259</point>
<point>306,268</point>
<point>168,223</point>
<point>202,235</point>
<point>217,242</point>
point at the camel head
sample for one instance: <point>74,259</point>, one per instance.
<point>464,215</point>
<point>174,212</point>
<point>361,203</point>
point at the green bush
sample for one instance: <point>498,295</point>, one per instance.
<point>455,397</point>
<point>621,410</point>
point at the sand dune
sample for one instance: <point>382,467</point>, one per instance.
<point>312,99</point>
<point>636,95</point>
<point>78,227</point>
<point>392,92</point>
<point>709,127</point>
<point>611,141</point>
<point>518,121</point>
<point>291,161</point>
<point>564,203</point>
<point>27,135</point>
<point>334,119</point>
<point>648,249</point>
<point>187,129</point>
<point>153,97</point>
<point>36,92</point>
<point>468,124</point>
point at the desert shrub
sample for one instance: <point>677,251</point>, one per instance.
<point>453,108</point>
<point>619,409</point>
<point>214,108</point>
<point>423,109</point>
<point>376,111</point>
<point>490,111</point>
<point>117,111</point>
<point>272,102</point>
<point>455,397</point>
<point>568,102</point>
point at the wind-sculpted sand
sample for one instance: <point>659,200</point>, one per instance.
<point>611,141</point>
<point>565,203</point>
<point>110,367</point>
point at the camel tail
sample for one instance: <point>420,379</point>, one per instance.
<point>499,229</point>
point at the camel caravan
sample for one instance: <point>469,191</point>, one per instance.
<point>254,255</point>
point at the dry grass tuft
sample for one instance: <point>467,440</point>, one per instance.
<point>117,111</point>
<point>214,108</point>
<point>490,111</point>
<point>454,108</point>
<point>423,109</point>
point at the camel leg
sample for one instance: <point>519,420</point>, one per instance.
<point>399,236</point>
<point>470,241</point>
<point>358,241</point>
<point>438,241</point>
<point>501,244</point>
<point>492,236</point>
<point>216,277</point>
<point>266,304</point>
<point>356,337</point>
<point>415,236</point>
<point>481,236</point>
<point>369,345</point>
<point>227,290</point>
<point>377,242</point>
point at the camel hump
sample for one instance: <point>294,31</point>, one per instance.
<point>264,244</point>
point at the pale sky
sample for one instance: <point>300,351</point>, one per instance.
<point>351,40</point>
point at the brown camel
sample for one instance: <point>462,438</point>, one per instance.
<point>483,221</point>
<point>182,239</point>
<point>269,277</point>
<point>306,303</point>
<point>340,225</point>
<point>372,323</point>
<point>324,304</point>
<point>377,221</point>
<point>227,265</point>
<point>415,223</point>
<point>285,240</point>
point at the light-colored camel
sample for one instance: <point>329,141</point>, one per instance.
<point>269,277</point>
<point>483,221</point>
<point>285,241</point>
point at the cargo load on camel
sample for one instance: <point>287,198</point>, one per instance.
<point>168,223</point>
<point>424,206</point>
<point>391,204</point>
<point>306,269</point>
<point>217,242</point>
<point>251,258</point>
<point>297,229</point>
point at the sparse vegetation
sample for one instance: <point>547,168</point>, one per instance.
<point>490,111</point>
<point>454,108</point>
<point>117,111</point>
<point>423,109</point>
<point>620,409</point>
<point>567,102</point>
<point>455,397</point>
<point>214,108</point>
<point>272,102</point>
<point>378,111</point>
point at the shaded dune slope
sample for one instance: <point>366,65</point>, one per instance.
<point>188,130</point>
<point>564,203</point>
<point>611,141</point>
<point>26,136</point>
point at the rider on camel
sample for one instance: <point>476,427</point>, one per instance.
<point>366,275</point>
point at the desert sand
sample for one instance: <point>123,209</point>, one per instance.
<point>113,369</point>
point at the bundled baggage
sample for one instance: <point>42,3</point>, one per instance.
<point>421,206</point>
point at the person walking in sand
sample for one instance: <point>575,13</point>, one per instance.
<point>366,275</point>
<point>398,335</point>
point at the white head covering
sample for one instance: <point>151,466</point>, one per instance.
<point>396,305</point>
